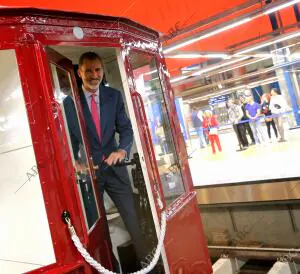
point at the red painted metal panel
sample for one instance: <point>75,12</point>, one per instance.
<point>44,147</point>
<point>185,242</point>
<point>288,16</point>
<point>184,238</point>
<point>96,240</point>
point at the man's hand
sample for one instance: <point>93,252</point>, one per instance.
<point>115,157</point>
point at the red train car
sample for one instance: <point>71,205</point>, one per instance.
<point>39,51</point>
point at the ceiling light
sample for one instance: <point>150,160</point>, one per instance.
<point>284,38</point>
<point>262,55</point>
<point>198,55</point>
<point>282,6</point>
<point>176,79</point>
<point>185,55</point>
<point>254,48</point>
<point>201,71</point>
<point>217,55</point>
<point>228,27</point>
<point>246,64</point>
<point>209,34</point>
<point>229,90</point>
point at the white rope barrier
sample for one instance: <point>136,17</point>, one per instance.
<point>102,269</point>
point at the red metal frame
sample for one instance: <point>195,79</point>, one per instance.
<point>52,57</point>
<point>186,205</point>
<point>197,266</point>
<point>28,32</point>
<point>97,237</point>
<point>44,146</point>
<point>93,240</point>
<point>173,118</point>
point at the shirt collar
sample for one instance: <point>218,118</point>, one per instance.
<point>89,94</point>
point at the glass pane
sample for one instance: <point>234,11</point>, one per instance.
<point>148,85</point>
<point>62,90</point>
<point>25,240</point>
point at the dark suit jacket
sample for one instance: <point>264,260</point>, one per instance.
<point>113,119</point>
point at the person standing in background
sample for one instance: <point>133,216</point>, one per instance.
<point>210,123</point>
<point>278,106</point>
<point>253,111</point>
<point>245,120</point>
<point>265,108</point>
<point>235,114</point>
<point>197,120</point>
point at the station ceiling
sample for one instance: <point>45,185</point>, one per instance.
<point>169,17</point>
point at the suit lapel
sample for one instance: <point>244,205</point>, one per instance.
<point>88,116</point>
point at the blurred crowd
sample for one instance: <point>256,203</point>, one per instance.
<point>246,117</point>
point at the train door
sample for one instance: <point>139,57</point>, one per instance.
<point>63,94</point>
<point>185,244</point>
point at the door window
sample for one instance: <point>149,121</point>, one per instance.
<point>63,90</point>
<point>148,85</point>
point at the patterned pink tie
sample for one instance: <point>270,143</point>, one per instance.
<point>95,115</point>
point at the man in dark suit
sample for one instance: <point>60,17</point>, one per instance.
<point>104,115</point>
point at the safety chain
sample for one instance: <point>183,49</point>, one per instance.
<point>102,269</point>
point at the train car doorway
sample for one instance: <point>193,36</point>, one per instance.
<point>63,64</point>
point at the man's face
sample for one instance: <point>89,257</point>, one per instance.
<point>91,73</point>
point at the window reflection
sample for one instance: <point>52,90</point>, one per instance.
<point>149,87</point>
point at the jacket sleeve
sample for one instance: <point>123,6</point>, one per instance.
<point>123,126</point>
